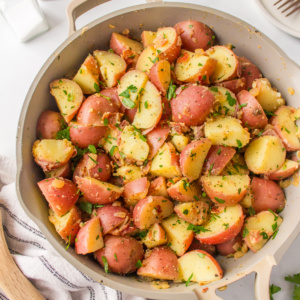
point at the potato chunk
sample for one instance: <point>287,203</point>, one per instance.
<point>265,154</point>
<point>227,131</point>
<point>68,96</point>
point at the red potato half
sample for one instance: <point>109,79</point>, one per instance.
<point>253,114</point>
<point>226,190</point>
<point>226,131</point>
<point>265,154</point>
<point>89,238</point>
<point>48,124</point>
<point>68,96</point>
<point>98,192</point>
<point>166,162</point>
<point>167,44</point>
<point>199,266</point>
<point>179,237</point>
<point>195,212</point>
<point>155,237</point>
<point>85,135</point>
<point>183,191</point>
<point>160,263</point>
<point>285,126</point>
<point>111,94</point>
<point>68,225</point>
<point>193,67</point>
<point>156,138</point>
<point>267,195</point>
<point>94,165</point>
<point>160,75</point>
<point>192,158</point>
<point>249,71</point>
<point>158,187</point>
<point>227,67</point>
<point>151,210</point>
<point>125,47</point>
<point>224,224</point>
<point>150,109</point>
<point>93,108</point>
<point>259,228</point>
<point>217,158</point>
<point>195,35</point>
<point>121,254</point>
<point>135,191</point>
<point>234,85</point>
<point>112,67</point>
<point>60,193</point>
<point>88,74</point>
<point>192,106</point>
<point>288,169</point>
<point>111,217</point>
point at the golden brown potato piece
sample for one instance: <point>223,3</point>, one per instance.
<point>227,67</point>
<point>148,37</point>
<point>87,76</point>
<point>112,67</point>
<point>147,59</point>
<point>160,75</point>
<point>68,96</point>
<point>155,237</point>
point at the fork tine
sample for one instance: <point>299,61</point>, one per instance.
<point>285,3</point>
<point>277,2</point>
<point>297,8</point>
<point>293,4</point>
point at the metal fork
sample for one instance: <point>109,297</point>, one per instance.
<point>295,5</point>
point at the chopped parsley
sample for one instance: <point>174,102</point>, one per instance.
<point>231,101</point>
<point>104,260</point>
<point>221,201</point>
<point>197,228</point>
<point>92,149</point>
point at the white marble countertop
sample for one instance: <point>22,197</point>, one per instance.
<point>21,62</point>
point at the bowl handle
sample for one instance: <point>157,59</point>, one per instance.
<point>76,8</point>
<point>263,271</point>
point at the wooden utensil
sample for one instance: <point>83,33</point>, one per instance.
<point>12,281</point>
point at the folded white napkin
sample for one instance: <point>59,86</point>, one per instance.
<point>51,274</point>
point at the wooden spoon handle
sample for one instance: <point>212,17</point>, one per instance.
<point>12,281</point>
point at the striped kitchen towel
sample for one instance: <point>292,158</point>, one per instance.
<point>51,274</point>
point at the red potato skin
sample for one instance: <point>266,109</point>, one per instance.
<point>155,77</point>
<point>234,85</point>
<point>192,106</point>
<point>279,175</point>
<point>61,199</point>
<point>85,135</point>
<point>267,195</point>
<point>103,165</point>
<point>130,113</point>
<point>197,245</point>
<point>195,35</point>
<point>156,138</point>
<point>112,93</point>
<point>214,162</point>
<point>167,109</point>
<point>226,248</point>
<point>108,219</point>
<point>81,246</point>
<point>249,71</point>
<point>63,171</point>
<point>253,114</point>
<point>95,194</point>
<point>135,188</point>
<point>229,199</point>
<point>225,235</point>
<point>93,108</point>
<point>142,205</point>
<point>161,263</point>
<point>48,124</point>
<point>127,250</point>
<point>158,187</point>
